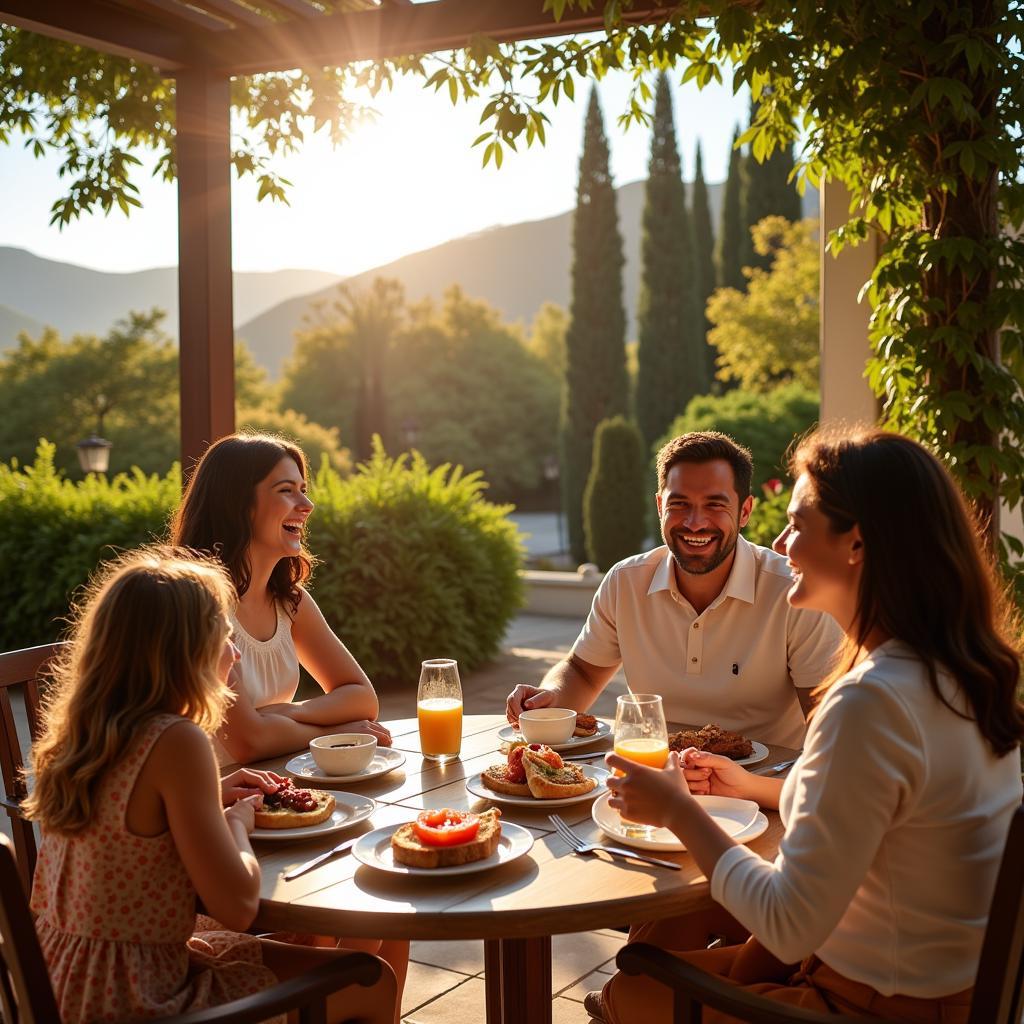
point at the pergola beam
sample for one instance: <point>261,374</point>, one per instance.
<point>206,330</point>
<point>395,31</point>
<point>104,26</point>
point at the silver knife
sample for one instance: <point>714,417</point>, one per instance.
<point>316,861</point>
<point>633,855</point>
<point>585,757</point>
<point>773,768</point>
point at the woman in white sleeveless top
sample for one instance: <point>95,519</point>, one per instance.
<point>246,503</point>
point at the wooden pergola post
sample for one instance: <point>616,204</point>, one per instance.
<point>206,354</point>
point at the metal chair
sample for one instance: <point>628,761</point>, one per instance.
<point>26,996</point>
<point>20,671</point>
<point>998,985</point>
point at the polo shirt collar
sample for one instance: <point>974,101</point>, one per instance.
<point>740,583</point>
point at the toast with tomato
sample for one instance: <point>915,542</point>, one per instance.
<point>442,839</point>
<point>508,778</point>
<point>550,778</point>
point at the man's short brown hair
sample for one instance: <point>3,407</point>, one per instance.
<point>706,446</point>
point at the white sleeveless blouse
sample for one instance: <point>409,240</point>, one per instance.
<point>269,669</point>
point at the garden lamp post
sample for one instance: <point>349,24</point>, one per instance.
<point>94,450</point>
<point>551,473</point>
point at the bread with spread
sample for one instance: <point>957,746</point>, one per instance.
<point>446,838</point>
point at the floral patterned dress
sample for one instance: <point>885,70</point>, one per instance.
<point>116,917</point>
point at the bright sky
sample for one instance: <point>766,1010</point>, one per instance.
<point>404,183</point>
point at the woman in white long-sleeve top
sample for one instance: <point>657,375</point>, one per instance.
<point>897,811</point>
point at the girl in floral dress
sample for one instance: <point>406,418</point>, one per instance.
<point>127,795</point>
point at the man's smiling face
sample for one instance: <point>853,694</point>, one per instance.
<point>701,514</point>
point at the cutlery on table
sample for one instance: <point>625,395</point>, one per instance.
<point>585,757</point>
<point>580,847</point>
<point>773,768</point>
<point>322,858</point>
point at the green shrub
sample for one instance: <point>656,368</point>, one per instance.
<point>415,564</point>
<point>614,502</point>
<point>768,519</point>
<point>766,423</point>
<point>54,532</point>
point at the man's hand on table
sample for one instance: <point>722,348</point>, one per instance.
<point>526,698</point>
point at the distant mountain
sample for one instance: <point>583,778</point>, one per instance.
<point>78,300</point>
<point>516,268</point>
<point>12,323</point>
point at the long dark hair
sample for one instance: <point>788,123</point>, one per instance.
<point>925,579</point>
<point>215,515</point>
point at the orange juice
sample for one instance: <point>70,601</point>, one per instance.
<point>440,721</point>
<point>651,752</point>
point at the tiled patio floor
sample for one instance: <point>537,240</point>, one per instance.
<point>445,984</point>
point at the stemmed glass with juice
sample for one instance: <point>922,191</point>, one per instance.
<point>439,710</point>
<point>642,736</point>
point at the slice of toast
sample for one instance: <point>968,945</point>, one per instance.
<point>286,817</point>
<point>549,783</point>
<point>586,725</point>
<point>496,778</point>
<point>407,848</point>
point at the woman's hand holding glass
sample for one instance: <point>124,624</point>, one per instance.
<point>651,796</point>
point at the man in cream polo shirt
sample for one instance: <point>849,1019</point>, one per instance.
<point>703,620</point>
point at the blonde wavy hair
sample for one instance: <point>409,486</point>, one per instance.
<point>146,640</point>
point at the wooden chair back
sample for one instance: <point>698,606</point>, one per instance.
<point>20,672</point>
<point>25,993</point>
<point>998,986</point>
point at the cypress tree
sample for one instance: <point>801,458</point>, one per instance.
<point>615,501</point>
<point>595,350</point>
<point>704,257</point>
<point>730,237</point>
<point>767,192</point>
<point>670,355</point>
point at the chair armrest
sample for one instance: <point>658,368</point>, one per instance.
<point>710,990</point>
<point>12,806</point>
<point>316,984</point>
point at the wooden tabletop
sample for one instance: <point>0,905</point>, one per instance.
<point>548,891</point>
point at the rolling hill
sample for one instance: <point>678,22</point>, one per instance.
<point>79,300</point>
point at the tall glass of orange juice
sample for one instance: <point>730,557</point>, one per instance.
<point>439,710</point>
<point>641,736</point>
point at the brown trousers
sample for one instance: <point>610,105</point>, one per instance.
<point>811,985</point>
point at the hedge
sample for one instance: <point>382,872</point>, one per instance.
<point>414,562</point>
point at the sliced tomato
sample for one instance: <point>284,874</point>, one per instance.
<point>543,751</point>
<point>515,771</point>
<point>446,827</point>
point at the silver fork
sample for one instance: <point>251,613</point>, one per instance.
<point>580,847</point>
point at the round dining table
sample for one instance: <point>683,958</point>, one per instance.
<point>514,908</point>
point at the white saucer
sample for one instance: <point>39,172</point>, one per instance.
<point>476,786</point>
<point>349,808</point>
<point>386,759</point>
<point>374,850</point>
<point>507,734</point>
<point>740,819</point>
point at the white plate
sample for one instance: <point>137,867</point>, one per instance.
<point>476,786</point>
<point>760,754</point>
<point>739,819</point>
<point>385,760</point>
<point>509,735</point>
<point>349,808</point>
<point>374,850</point>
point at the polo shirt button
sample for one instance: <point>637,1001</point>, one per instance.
<point>694,660</point>
<point>696,625</point>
